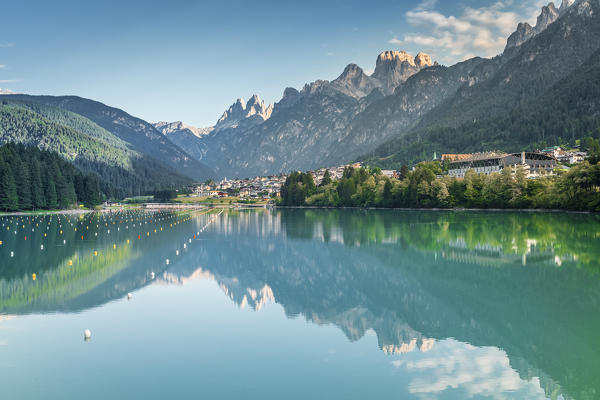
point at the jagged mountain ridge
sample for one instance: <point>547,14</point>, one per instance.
<point>328,106</point>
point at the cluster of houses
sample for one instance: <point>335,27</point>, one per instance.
<point>565,156</point>
<point>256,188</point>
<point>536,164</point>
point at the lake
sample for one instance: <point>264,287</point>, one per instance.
<point>300,304</point>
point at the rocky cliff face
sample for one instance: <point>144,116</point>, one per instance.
<point>354,82</point>
<point>394,67</point>
<point>525,31</point>
<point>239,111</point>
<point>169,128</point>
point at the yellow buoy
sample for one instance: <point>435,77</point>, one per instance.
<point>95,253</point>
<point>70,262</point>
<point>33,276</point>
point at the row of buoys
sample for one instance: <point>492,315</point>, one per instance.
<point>70,262</point>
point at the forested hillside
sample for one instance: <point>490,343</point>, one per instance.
<point>139,135</point>
<point>569,110</point>
<point>33,179</point>
<point>89,146</point>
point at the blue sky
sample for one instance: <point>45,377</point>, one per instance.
<point>186,60</point>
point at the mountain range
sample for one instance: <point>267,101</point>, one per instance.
<point>542,90</point>
<point>411,107</point>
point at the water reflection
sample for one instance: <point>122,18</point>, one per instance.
<point>481,302</point>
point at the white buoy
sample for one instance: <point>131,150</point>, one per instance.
<point>152,273</point>
<point>176,252</point>
<point>87,334</point>
<point>129,296</point>
<point>42,247</point>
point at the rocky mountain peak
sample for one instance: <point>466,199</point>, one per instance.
<point>525,31</point>
<point>241,110</point>
<point>423,60</point>
<point>168,128</point>
<point>290,97</point>
<point>399,56</point>
<point>565,4</point>
<point>354,82</point>
<point>395,67</point>
<point>549,15</point>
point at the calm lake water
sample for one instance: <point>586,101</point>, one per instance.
<point>300,304</point>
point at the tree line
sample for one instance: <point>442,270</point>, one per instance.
<point>426,187</point>
<point>33,179</point>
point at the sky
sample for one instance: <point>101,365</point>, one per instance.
<point>189,60</point>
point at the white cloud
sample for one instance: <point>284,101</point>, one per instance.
<point>9,80</point>
<point>2,66</point>
<point>472,371</point>
<point>451,38</point>
<point>426,5</point>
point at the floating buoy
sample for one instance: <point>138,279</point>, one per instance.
<point>33,276</point>
<point>12,253</point>
<point>87,334</point>
<point>95,253</point>
<point>152,273</point>
<point>42,247</point>
<point>70,262</point>
<point>129,296</point>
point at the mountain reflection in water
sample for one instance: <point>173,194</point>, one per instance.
<point>524,286</point>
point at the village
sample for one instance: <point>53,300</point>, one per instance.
<point>265,188</point>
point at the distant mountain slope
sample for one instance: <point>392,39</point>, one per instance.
<point>126,171</point>
<point>140,135</point>
<point>187,137</point>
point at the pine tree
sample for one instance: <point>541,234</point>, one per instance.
<point>38,198</point>
<point>22,181</point>
<point>9,200</point>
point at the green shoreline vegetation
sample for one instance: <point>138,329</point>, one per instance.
<point>577,189</point>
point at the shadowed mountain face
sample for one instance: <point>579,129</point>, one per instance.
<point>523,283</point>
